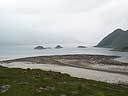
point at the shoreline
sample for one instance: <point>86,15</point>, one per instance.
<point>78,56</point>
<point>94,67</point>
<point>86,61</point>
<point>73,72</point>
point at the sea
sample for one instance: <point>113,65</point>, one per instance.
<point>20,51</point>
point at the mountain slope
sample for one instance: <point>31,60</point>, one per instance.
<point>118,39</point>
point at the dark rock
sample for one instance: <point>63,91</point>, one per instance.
<point>58,47</point>
<point>81,47</point>
<point>39,47</point>
<point>125,49</point>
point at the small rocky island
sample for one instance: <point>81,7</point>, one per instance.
<point>81,47</point>
<point>58,47</point>
<point>39,47</point>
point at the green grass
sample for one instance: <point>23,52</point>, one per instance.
<point>42,83</point>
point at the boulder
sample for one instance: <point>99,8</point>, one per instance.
<point>4,88</point>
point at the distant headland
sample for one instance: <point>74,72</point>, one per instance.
<point>118,40</point>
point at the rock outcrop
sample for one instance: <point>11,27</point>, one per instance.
<point>39,47</point>
<point>58,47</point>
<point>81,47</point>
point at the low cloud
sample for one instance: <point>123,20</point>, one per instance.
<point>60,21</point>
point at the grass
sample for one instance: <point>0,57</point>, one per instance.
<point>28,82</point>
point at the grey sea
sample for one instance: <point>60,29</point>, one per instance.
<point>19,51</point>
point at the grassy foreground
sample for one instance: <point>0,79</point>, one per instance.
<point>42,83</point>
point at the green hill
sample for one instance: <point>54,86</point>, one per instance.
<point>118,40</point>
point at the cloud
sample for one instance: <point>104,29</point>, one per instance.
<point>61,21</point>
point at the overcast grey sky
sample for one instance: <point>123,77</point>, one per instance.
<point>61,21</point>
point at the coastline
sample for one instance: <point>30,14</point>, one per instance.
<point>86,61</point>
<point>94,67</point>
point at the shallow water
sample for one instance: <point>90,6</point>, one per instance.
<point>76,72</point>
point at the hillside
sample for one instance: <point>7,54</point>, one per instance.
<point>118,40</point>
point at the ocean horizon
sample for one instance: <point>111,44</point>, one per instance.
<point>19,51</point>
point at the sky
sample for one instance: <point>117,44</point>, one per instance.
<point>60,21</point>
